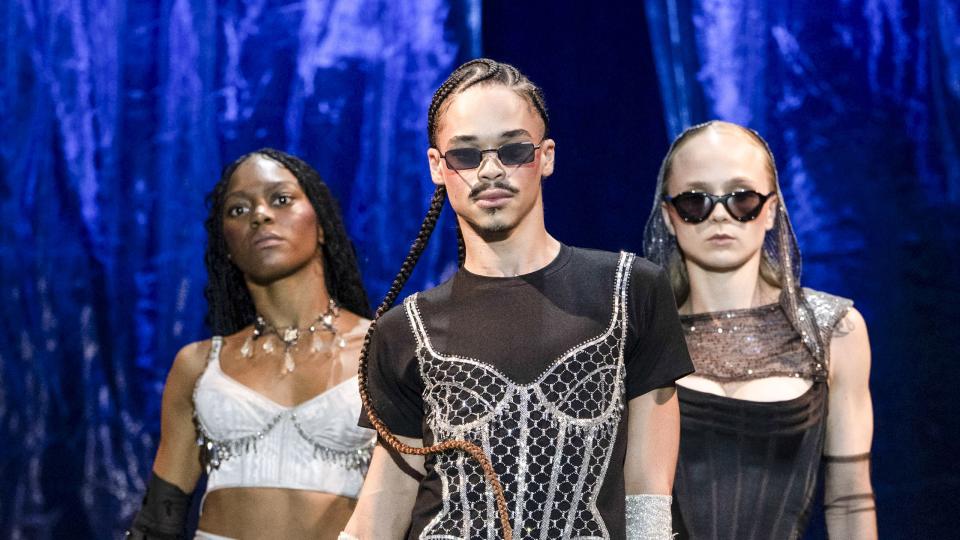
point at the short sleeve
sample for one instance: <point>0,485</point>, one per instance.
<point>393,378</point>
<point>657,350</point>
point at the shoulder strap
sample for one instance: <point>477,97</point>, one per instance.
<point>413,317</point>
<point>622,283</point>
<point>216,343</point>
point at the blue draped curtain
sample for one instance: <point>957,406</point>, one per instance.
<point>116,118</point>
<point>860,101</point>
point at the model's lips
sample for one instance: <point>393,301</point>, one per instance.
<point>266,240</point>
<point>492,198</point>
<point>721,238</point>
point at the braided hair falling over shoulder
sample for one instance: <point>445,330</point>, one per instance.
<point>481,71</point>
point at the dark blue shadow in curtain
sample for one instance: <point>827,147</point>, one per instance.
<point>860,102</point>
<point>116,118</point>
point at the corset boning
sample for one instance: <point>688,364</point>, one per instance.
<point>747,469</point>
<point>550,440</point>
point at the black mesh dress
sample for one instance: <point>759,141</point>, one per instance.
<point>748,470</point>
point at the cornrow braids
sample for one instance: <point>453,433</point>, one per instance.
<point>229,305</point>
<point>484,71</point>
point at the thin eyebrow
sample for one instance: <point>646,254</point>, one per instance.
<point>461,139</point>
<point>235,194</point>
<point>515,133</point>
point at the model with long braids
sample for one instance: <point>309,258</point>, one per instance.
<point>268,405</point>
<point>532,393</point>
<point>781,385</point>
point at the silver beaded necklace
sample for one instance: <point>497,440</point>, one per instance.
<point>290,337</point>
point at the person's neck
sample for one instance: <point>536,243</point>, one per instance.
<point>292,301</point>
<point>522,250</point>
<point>740,288</point>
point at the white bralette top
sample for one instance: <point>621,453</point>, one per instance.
<point>249,440</point>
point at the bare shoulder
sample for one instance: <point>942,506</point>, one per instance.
<point>188,365</point>
<point>850,350</point>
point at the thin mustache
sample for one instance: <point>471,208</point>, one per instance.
<point>480,188</point>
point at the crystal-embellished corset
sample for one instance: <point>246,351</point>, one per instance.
<point>248,440</point>
<point>551,440</point>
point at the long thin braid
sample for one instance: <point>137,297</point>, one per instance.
<point>474,451</point>
<point>474,72</point>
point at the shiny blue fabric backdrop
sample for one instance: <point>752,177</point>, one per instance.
<point>116,119</point>
<point>860,102</point>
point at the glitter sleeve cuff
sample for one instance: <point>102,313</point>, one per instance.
<point>648,517</point>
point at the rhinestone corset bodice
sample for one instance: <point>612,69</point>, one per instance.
<point>550,440</point>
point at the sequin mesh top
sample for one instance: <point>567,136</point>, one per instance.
<point>747,344</point>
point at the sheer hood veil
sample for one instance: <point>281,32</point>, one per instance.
<point>779,247</point>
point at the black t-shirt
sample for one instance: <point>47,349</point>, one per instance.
<point>520,327</point>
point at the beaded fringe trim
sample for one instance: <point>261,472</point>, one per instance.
<point>214,452</point>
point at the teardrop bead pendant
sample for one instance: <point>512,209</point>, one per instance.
<point>288,363</point>
<point>246,350</point>
<point>268,346</point>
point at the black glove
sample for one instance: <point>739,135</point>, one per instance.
<point>163,514</point>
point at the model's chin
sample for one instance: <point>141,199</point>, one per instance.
<point>269,270</point>
<point>493,223</point>
<point>720,262</point>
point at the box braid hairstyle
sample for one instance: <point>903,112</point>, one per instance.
<point>481,71</point>
<point>229,305</point>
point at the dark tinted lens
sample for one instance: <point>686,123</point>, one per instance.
<point>744,205</point>
<point>692,206</point>
<point>516,153</point>
<point>463,158</point>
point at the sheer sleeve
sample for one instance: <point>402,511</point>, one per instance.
<point>849,505</point>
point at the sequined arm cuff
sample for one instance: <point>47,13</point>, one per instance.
<point>648,517</point>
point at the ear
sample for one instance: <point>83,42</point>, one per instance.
<point>548,152</point>
<point>665,210</point>
<point>772,210</point>
<point>436,166</point>
<point>320,237</point>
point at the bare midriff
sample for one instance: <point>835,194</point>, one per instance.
<point>270,513</point>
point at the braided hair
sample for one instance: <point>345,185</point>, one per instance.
<point>481,71</point>
<point>229,305</point>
